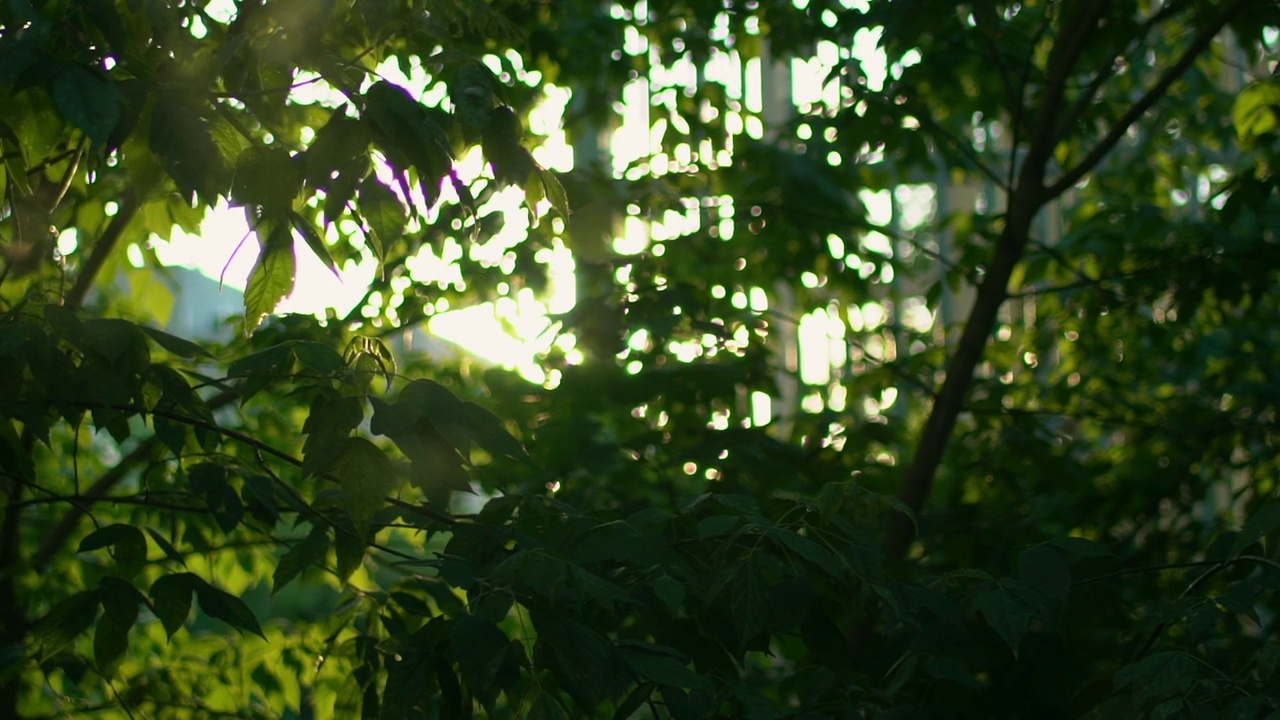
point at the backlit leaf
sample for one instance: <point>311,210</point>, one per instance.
<point>1257,110</point>
<point>272,278</point>
<point>314,241</point>
<point>383,212</point>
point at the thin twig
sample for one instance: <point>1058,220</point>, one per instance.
<point>67,177</point>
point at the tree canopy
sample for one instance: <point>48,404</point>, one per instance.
<point>924,361</point>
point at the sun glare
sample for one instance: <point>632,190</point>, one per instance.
<point>514,331</point>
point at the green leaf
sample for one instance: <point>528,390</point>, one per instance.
<point>209,480</point>
<point>1080,546</point>
<point>319,357</point>
<point>275,360</point>
<point>105,536</point>
<point>175,344</point>
<point>227,608</point>
<point>89,101</point>
<point>65,622</point>
<point>179,396</point>
<point>117,341</point>
<point>14,456</point>
<point>480,648</point>
<point>409,135</point>
<point>432,428</point>
<point>330,423</point>
<point>408,683</point>
<point>472,91</point>
<point>662,665</point>
<point>634,700</point>
<point>13,153</point>
<point>581,660</point>
<point>601,591</point>
<point>717,525</point>
<point>180,137</point>
<point>367,477</point>
<point>120,602</point>
<point>271,280</point>
<point>267,178</point>
<point>758,707</point>
<point>349,547</point>
<point>1256,109</point>
<point>1005,613</point>
<point>308,551</point>
<point>740,504</point>
<point>171,599</point>
<point>809,550</point>
<point>341,190</point>
<point>489,433</point>
<point>510,161</point>
<point>314,241</point>
<point>435,466</point>
<point>1159,675</point>
<point>1259,524</point>
<point>383,212</point>
<point>670,591</point>
<point>554,191</point>
<point>1046,570</point>
<point>131,552</point>
<point>129,546</point>
<point>364,357</point>
<point>165,546</point>
<point>546,707</point>
<point>340,144</point>
<point>749,603</point>
<point>264,500</point>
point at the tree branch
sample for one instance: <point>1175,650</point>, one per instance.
<point>1025,202</point>
<point>102,250</point>
<point>1152,96</point>
<point>1107,70</point>
<point>57,537</point>
<point>1062,61</point>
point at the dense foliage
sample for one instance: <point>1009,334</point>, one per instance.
<point>1032,470</point>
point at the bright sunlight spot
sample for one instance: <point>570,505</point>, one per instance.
<point>515,331</point>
